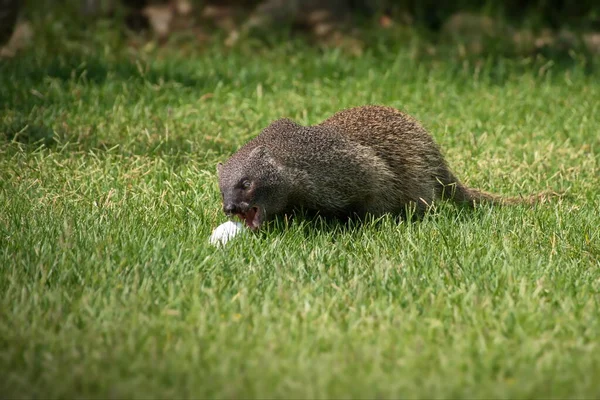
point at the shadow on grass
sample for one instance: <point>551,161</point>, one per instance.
<point>23,78</point>
<point>309,222</point>
<point>33,132</point>
<point>29,73</point>
<point>29,133</point>
<point>97,70</point>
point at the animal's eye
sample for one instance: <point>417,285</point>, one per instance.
<point>245,184</point>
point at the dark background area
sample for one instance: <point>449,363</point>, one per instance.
<point>319,17</point>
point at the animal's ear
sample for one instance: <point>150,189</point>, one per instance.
<point>219,168</point>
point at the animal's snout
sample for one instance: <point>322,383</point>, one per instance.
<point>230,208</point>
<point>235,208</point>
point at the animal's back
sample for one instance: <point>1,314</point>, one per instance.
<point>403,144</point>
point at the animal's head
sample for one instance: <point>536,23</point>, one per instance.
<point>253,186</point>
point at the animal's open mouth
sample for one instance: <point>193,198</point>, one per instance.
<point>251,217</point>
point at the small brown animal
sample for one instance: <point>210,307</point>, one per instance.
<point>363,160</point>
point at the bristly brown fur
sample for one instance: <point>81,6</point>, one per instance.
<point>369,159</point>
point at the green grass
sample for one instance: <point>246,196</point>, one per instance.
<point>108,194</point>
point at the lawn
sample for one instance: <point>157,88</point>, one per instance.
<point>108,194</point>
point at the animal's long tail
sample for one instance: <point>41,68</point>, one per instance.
<point>467,196</point>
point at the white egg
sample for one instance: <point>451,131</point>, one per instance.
<point>224,232</point>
